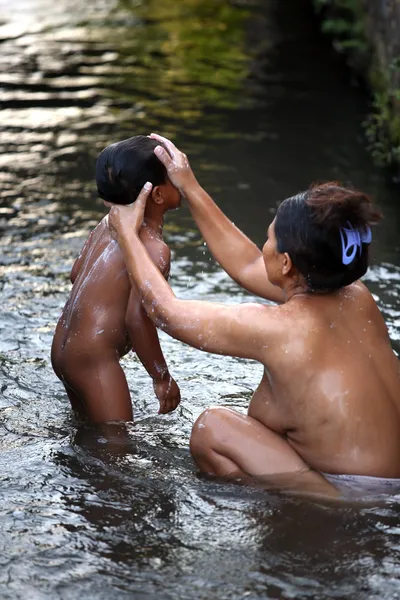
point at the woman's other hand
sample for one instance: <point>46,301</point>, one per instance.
<point>176,163</point>
<point>130,217</point>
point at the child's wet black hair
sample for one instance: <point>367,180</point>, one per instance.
<point>123,168</point>
<point>308,225</point>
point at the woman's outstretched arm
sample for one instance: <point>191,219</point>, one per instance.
<point>234,251</point>
<point>222,329</point>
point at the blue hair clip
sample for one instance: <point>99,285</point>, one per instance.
<point>354,240</point>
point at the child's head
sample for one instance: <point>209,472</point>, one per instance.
<point>123,168</point>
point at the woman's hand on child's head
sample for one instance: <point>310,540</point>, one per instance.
<point>130,217</point>
<point>176,163</point>
<point>168,394</point>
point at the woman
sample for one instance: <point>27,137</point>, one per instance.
<point>328,405</point>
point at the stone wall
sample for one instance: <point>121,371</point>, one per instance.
<point>368,31</point>
<point>382,29</point>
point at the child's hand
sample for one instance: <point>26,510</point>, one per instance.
<point>130,217</point>
<point>168,394</point>
<point>176,163</point>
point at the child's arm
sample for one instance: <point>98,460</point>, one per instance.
<point>144,337</point>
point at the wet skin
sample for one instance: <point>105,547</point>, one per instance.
<point>329,399</point>
<point>103,320</point>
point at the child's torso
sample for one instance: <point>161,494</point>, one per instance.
<point>94,315</point>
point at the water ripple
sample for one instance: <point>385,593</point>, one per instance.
<point>261,108</point>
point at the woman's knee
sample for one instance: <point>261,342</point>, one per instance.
<point>208,429</point>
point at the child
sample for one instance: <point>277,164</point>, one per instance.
<point>103,318</point>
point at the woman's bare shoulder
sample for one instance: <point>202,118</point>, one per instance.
<point>275,319</point>
<point>359,288</point>
<point>360,292</point>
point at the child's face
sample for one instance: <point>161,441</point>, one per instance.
<point>171,195</point>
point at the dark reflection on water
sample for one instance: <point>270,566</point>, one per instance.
<point>262,107</point>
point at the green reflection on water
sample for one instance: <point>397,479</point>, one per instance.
<point>179,60</point>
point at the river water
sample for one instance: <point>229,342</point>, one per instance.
<point>263,107</point>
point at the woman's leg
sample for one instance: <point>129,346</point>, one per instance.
<point>226,443</point>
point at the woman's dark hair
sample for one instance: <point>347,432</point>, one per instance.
<point>311,228</point>
<point>123,168</point>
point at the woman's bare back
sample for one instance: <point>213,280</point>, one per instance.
<point>332,384</point>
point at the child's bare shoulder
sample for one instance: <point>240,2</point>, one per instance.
<point>157,248</point>
<point>99,249</point>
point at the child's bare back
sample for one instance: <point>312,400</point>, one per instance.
<point>103,320</point>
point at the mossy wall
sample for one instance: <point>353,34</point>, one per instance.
<point>368,31</point>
